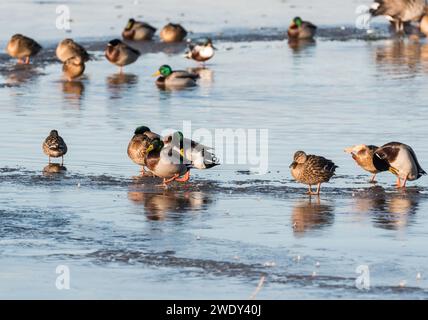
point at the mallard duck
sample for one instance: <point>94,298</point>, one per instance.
<point>311,169</point>
<point>22,47</point>
<point>73,68</point>
<point>138,31</point>
<point>201,52</point>
<point>176,78</point>
<point>54,146</point>
<point>197,154</point>
<point>174,156</point>
<point>173,33</point>
<point>138,145</point>
<point>398,11</point>
<point>399,159</point>
<point>120,53</point>
<point>363,156</point>
<point>423,24</point>
<point>300,29</point>
<point>67,49</point>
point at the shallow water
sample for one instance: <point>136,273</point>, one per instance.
<point>215,237</point>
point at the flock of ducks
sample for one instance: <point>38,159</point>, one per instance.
<point>171,157</point>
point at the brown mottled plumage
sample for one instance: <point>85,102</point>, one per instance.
<point>54,146</point>
<point>138,31</point>
<point>173,33</point>
<point>22,47</point>
<point>363,156</point>
<point>73,68</point>
<point>138,145</point>
<point>300,30</point>
<point>311,170</point>
<point>67,49</point>
<point>120,53</point>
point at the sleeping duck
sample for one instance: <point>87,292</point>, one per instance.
<point>22,48</point>
<point>67,49</point>
<point>399,159</point>
<point>120,53</point>
<point>138,31</point>
<point>173,33</point>
<point>167,78</point>
<point>138,145</point>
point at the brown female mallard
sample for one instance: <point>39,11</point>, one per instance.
<point>138,145</point>
<point>22,48</point>
<point>173,33</point>
<point>54,146</point>
<point>67,49</point>
<point>120,53</point>
<point>311,170</point>
<point>73,68</point>
<point>363,156</point>
<point>300,30</point>
<point>399,159</point>
<point>138,31</point>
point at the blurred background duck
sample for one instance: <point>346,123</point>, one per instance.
<point>167,78</point>
<point>312,170</point>
<point>138,31</point>
<point>400,160</point>
<point>73,68</point>
<point>67,49</point>
<point>54,146</point>
<point>138,145</point>
<point>201,52</point>
<point>120,53</point>
<point>398,12</point>
<point>173,33</point>
<point>301,30</point>
<point>22,48</point>
<point>363,156</point>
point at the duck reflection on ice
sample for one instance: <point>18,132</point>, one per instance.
<point>299,45</point>
<point>120,82</point>
<point>311,215</point>
<point>206,75</point>
<point>19,74</point>
<point>53,169</point>
<point>391,211</point>
<point>73,90</point>
<point>159,206</point>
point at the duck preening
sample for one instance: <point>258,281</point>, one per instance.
<point>22,48</point>
<point>73,68</point>
<point>54,146</point>
<point>312,170</point>
<point>172,157</point>
<point>138,145</point>
<point>301,30</point>
<point>363,156</point>
<point>399,159</point>
<point>201,52</point>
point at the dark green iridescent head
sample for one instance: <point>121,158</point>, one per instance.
<point>298,21</point>
<point>142,130</point>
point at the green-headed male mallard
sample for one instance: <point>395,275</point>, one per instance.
<point>363,156</point>
<point>176,78</point>
<point>399,159</point>
<point>120,53</point>
<point>138,31</point>
<point>73,68</point>
<point>174,156</point>
<point>22,48</point>
<point>54,146</point>
<point>173,33</point>
<point>399,11</point>
<point>301,30</point>
<point>67,49</point>
<point>201,52</point>
<point>138,145</point>
<point>310,169</point>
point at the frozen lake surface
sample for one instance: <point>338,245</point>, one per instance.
<point>215,237</point>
